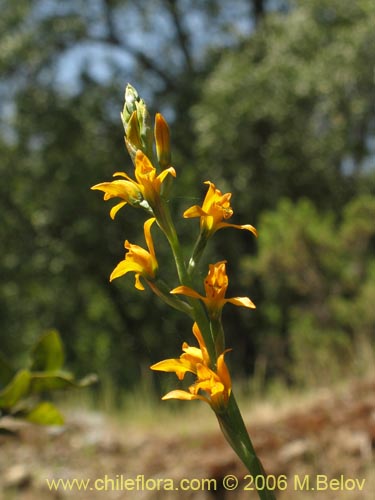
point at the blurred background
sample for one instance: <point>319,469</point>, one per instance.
<point>272,100</point>
<point>269,99</point>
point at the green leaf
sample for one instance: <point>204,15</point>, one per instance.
<point>44,381</point>
<point>48,353</point>
<point>45,414</point>
<point>17,388</point>
<point>6,372</point>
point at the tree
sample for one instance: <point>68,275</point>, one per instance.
<point>289,116</point>
<point>64,69</point>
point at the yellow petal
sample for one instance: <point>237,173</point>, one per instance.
<point>143,166</point>
<point>147,231</point>
<point>124,267</point>
<point>195,211</point>
<point>185,290</point>
<point>241,302</point>
<point>178,366</point>
<point>247,227</point>
<point>192,354</point>
<point>165,172</point>
<point>198,335</point>
<point>184,395</point>
<point>138,285</point>
<point>116,208</point>
<point>223,372</point>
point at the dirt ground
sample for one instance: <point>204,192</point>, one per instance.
<point>318,448</point>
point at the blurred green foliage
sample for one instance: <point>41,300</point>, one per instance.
<point>22,392</point>
<point>317,277</point>
<point>282,116</point>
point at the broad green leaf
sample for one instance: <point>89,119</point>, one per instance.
<point>17,388</point>
<point>48,353</point>
<point>6,372</point>
<point>41,382</point>
<point>45,414</point>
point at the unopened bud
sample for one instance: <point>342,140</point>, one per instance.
<point>137,135</point>
<point>162,141</point>
<point>131,97</point>
<point>133,136</point>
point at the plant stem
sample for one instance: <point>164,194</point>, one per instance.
<point>235,432</point>
<point>166,223</point>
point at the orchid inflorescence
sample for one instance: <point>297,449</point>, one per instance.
<point>149,191</point>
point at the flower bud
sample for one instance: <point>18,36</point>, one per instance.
<point>162,141</point>
<point>131,97</point>
<point>137,136</point>
<point>133,136</point>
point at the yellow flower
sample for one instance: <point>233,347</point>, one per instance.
<point>215,284</point>
<point>146,187</point>
<point>147,180</point>
<point>215,208</point>
<point>215,384</point>
<point>138,260</point>
<point>126,190</point>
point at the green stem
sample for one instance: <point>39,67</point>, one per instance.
<point>162,290</point>
<point>217,332</point>
<point>235,432</point>
<point>165,221</point>
<point>230,419</point>
<point>198,250</point>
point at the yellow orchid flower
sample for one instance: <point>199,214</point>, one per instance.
<point>148,181</point>
<point>215,284</point>
<point>215,384</point>
<point>215,208</point>
<point>138,260</point>
<point>146,187</point>
<point>126,190</point>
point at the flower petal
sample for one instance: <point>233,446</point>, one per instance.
<point>248,227</point>
<point>178,366</point>
<point>147,230</point>
<point>241,302</point>
<point>193,354</point>
<point>138,285</point>
<point>184,395</point>
<point>185,290</point>
<point>124,267</point>
<point>195,211</point>
<point>223,372</point>
<point>165,172</point>
<point>116,208</point>
<point>198,335</point>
